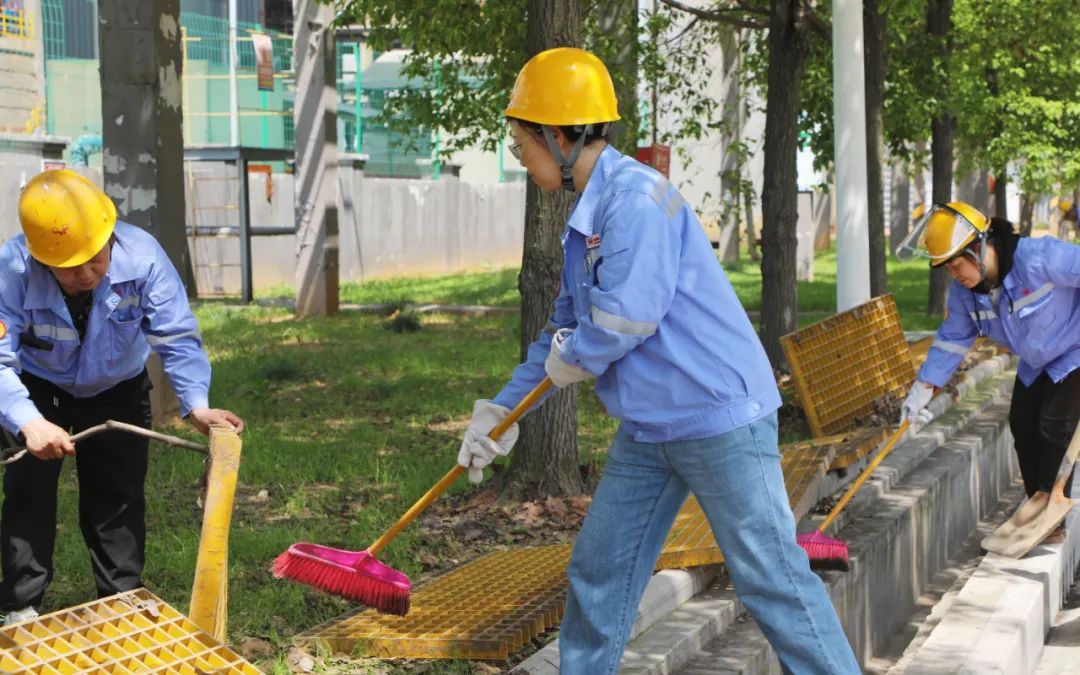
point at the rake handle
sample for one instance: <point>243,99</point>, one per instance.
<point>14,454</point>
<point>893,440</point>
<point>446,481</point>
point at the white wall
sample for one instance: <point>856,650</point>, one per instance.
<point>388,227</point>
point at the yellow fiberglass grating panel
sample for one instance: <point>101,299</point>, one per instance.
<point>842,365</point>
<point>804,467</point>
<point>690,543</point>
<point>485,609</point>
<point>132,632</point>
<point>856,445</point>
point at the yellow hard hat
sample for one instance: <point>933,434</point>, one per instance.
<point>66,219</point>
<point>1065,204</point>
<point>562,87</point>
<point>950,228</point>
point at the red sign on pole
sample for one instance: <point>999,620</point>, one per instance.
<point>264,61</point>
<point>657,156</point>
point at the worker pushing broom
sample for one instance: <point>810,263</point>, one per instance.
<point>645,309</point>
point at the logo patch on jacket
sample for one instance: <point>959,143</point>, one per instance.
<point>3,330</point>
<point>592,241</point>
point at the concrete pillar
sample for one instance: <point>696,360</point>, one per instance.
<point>849,112</point>
<point>730,171</point>
<point>824,216</point>
<point>316,160</point>
<point>142,123</point>
<point>142,130</point>
<point>804,231</point>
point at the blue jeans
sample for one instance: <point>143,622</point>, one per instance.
<point>738,481</point>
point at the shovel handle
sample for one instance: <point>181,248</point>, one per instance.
<point>446,481</point>
<point>893,440</point>
<point>1069,459</point>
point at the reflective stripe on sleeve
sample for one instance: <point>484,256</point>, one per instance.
<point>984,315</point>
<point>950,347</point>
<point>621,325</point>
<point>156,341</point>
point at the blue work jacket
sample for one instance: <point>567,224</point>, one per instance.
<point>140,304</point>
<point>1036,315</point>
<point>655,317</point>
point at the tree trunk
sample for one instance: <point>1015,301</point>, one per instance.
<point>1001,183</point>
<point>1027,214</point>
<point>619,19</point>
<point>545,460</point>
<point>788,49</point>
<point>939,23</point>
<point>142,124</point>
<point>874,34</point>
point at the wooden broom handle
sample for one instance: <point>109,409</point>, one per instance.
<point>446,481</point>
<point>1068,460</point>
<point>864,475</point>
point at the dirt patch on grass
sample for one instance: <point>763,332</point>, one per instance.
<point>464,526</point>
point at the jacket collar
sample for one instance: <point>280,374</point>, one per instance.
<point>582,216</point>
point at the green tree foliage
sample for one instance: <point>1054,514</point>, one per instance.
<point>467,54</point>
<point>1015,87</point>
<point>1012,81</point>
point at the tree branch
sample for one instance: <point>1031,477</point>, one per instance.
<point>721,14</point>
<point>823,29</point>
<point>751,9</point>
<point>689,26</point>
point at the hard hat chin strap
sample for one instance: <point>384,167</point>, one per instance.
<point>566,164</point>
<point>980,258</point>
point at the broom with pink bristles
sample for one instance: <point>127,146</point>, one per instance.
<point>358,575</point>
<point>826,553</point>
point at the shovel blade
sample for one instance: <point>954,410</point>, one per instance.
<point>1016,539</point>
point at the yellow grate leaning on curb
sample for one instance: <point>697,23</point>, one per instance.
<point>486,609</point>
<point>133,632</point>
<point>843,364</point>
<point>691,543</point>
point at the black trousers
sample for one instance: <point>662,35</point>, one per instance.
<point>112,506</point>
<point>1042,418</point>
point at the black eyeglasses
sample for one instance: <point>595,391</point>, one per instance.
<point>515,149</point>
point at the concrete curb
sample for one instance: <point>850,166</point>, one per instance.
<point>1001,617</point>
<point>666,592</point>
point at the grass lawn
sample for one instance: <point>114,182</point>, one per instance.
<point>349,423</point>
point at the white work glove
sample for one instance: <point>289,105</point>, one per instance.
<point>477,450</point>
<point>563,374</point>
<point>914,409</point>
